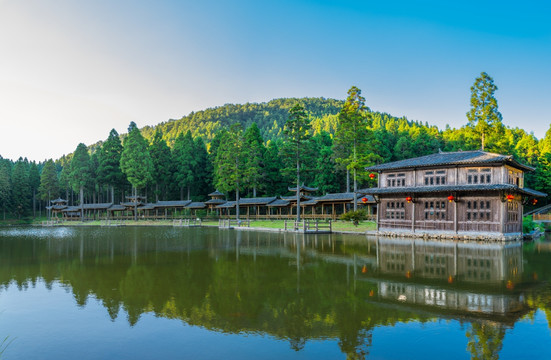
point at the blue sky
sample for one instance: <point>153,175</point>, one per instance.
<point>71,71</point>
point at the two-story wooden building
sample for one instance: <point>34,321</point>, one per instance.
<point>468,194</point>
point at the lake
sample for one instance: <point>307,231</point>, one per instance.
<point>203,293</point>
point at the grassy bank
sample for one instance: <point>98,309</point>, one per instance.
<point>338,226</point>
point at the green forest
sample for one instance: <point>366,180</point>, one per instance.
<point>261,150</point>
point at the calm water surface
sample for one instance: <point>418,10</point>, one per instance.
<point>201,293</point>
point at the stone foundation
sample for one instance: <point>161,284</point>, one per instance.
<point>445,235</point>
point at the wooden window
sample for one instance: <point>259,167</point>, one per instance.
<point>435,210</point>
<point>479,210</point>
<point>394,180</point>
<point>479,176</point>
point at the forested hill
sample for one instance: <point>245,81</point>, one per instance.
<point>269,117</point>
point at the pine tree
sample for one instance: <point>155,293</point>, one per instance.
<point>21,189</point>
<point>485,120</point>
<point>34,182</point>
<point>273,182</point>
<point>183,155</point>
<point>203,169</point>
<point>80,173</point>
<point>254,147</point>
<point>325,178</point>
<point>5,185</point>
<point>49,184</point>
<point>162,164</point>
<point>136,162</point>
<point>298,134</point>
<point>109,167</point>
<point>352,132</point>
<point>230,163</point>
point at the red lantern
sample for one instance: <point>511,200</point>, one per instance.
<point>510,197</point>
<point>510,285</point>
<point>408,199</point>
<point>372,176</point>
<point>451,198</point>
<point>364,269</point>
<point>450,279</point>
<point>534,201</point>
<point>364,200</point>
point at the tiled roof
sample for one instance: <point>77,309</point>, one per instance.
<point>256,201</point>
<point>132,204</point>
<point>173,203</point>
<point>249,202</point>
<point>117,208</point>
<point>226,205</point>
<point>279,203</point>
<point>216,193</point>
<point>337,197</point>
<point>58,200</point>
<point>196,205</point>
<point>56,207</point>
<point>147,207</point>
<point>451,188</point>
<point>293,198</point>
<point>452,158</point>
<point>303,188</point>
<point>100,206</point>
<point>215,201</point>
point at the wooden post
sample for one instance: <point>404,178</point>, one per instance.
<point>413,217</point>
<point>455,215</point>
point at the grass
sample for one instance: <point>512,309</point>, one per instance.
<point>338,226</point>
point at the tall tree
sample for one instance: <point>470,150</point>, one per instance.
<point>352,132</point>
<point>80,173</point>
<point>298,134</point>
<point>49,184</point>
<point>484,116</point>
<point>136,162</point>
<point>254,147</point>
<point>325,178</point>
<point>230,163</point>
<point>5,185</point>
<point>273,183</point>
<point>109,167</point>
<point>203,168</point>
<point>183,155</point>
<point>162,163</point>
<point>21,189</point>
<point>34,183</point>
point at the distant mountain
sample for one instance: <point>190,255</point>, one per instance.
<point>269,117</point>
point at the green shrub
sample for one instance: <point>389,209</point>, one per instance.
<point>354,216</point>
<point>528,225</point>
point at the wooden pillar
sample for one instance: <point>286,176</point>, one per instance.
<point>503,216</point>
<point>455,215</point>
<point>413,217</point>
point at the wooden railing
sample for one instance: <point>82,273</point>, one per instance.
<point>541,217</point>
<point>308,225</point>
<point>187,222</point>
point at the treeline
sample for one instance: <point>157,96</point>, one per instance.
<point>250,148</point>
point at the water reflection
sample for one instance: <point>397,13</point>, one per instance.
<point>290,286</point>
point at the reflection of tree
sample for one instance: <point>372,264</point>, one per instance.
<point>485,340</point>
<point>356,335</point>
<point>297,324</point>
<point>202,283</point>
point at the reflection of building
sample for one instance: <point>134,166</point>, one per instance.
<point>487,269</point>
<point>452,300</point>
<point>469,193</point>
<point>473,262</point>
